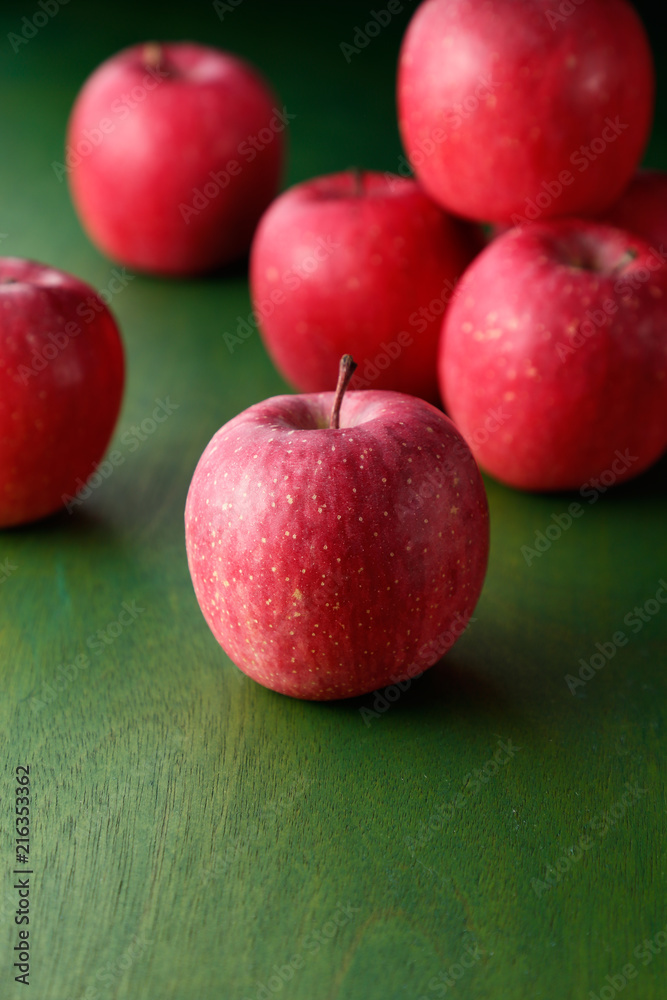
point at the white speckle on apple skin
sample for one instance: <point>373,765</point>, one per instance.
<point>411,563</point>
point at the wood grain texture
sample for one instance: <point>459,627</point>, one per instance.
<point>194,834</point>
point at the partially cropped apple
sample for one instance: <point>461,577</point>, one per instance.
<point>642,208</point>
<point>173,153</point>
<point>358,260</point>
<point>337,544</point>
<point>61,385</point>
<point>563,326</point>
<point>518,109</point>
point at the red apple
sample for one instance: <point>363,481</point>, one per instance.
<point>513,110</point>
<point>330,559</point>
<point>61,385</point>
<point>563,325</point>
<point>642,208</point>
<point>174,151</point>
<point>365,260</point>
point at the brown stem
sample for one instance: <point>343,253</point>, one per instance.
<point>627,258</point>
<point>153,55</point>
<point>345,373</point>
<point>357,184</point>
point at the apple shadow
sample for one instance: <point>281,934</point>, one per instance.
<point>87,525</point>
<point>234,270</point>
<point>454,687</point>
<point>650,483</point>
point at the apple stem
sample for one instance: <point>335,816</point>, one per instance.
<point>627,258</point>
<point>345,373</point>
<point>357,185</point>
<point>153,55</point>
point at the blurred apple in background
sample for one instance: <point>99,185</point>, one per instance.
<point>642,208</point>
<point>173,153</point>
<point>61,384</point>
<point>513,108</point>
<point>358,261</point>
<point>562,329</point>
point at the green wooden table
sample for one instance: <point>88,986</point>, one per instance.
<point>496,833</point>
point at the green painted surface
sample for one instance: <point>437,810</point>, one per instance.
<point>194,834</point>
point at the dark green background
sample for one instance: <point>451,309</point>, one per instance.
<point>193,830</point>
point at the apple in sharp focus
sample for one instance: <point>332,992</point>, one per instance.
<point>561,327</point>
<point>642,208</point>
<point>173,153</point>
<point>61,385</point>
<point>333,555</point>
<point>363,261</point>
<point>512,110</point>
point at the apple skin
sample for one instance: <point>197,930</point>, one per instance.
<point>60,390</point>
<point>380,251</point>
<point>328,562</point>
<point>642,208</point>
<point>555,325</point>
<point>496,100</point>
<point>133,188</point>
